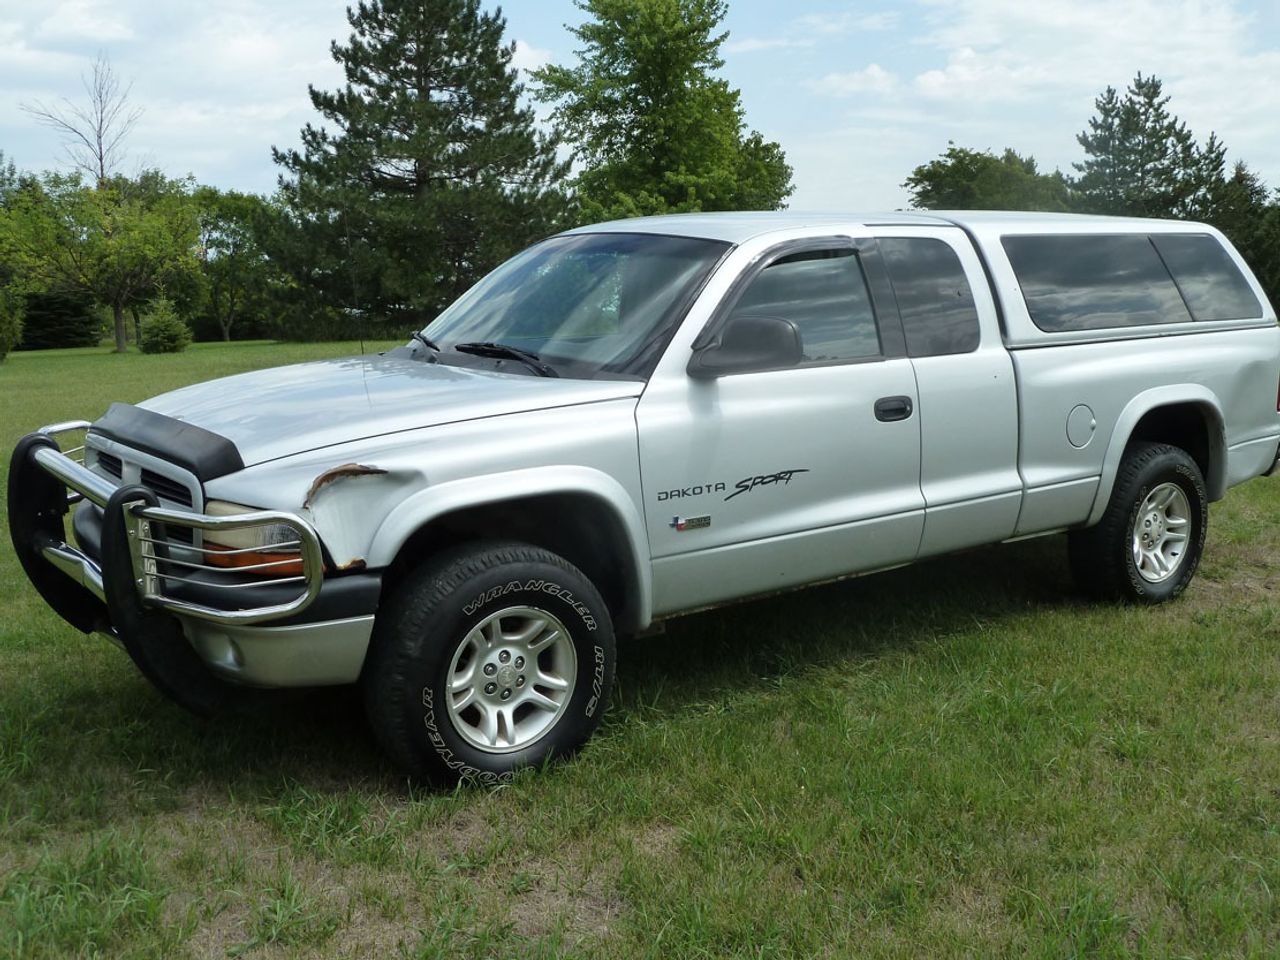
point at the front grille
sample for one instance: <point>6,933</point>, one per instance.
<point>110,465</point>
<point>184,535</point>
<point>166,489</point>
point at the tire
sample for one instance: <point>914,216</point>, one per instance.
<point>155,640</point>
<point>1134,552</point>
<point>525,641</point>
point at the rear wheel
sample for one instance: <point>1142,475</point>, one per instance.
<point>489,659</point>
<point>1148,544</point>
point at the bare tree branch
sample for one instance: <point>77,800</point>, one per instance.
<point>94,132</point>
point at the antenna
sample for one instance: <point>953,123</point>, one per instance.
<point>351,265</point>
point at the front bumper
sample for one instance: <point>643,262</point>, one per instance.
<point>294,628</point>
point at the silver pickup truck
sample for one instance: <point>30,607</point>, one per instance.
<point>638,419</point>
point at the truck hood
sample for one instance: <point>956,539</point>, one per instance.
<point>288,410</point>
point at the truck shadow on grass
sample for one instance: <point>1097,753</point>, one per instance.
<point>762,640</point>
<point>117,736</point>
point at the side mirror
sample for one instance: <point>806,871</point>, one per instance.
<point>747,344</point>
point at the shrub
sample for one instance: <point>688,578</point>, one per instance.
<point>54,320</point>
<point>162,329</point>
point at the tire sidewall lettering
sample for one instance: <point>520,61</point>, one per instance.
<point>587,698</point>
<point>597,682</point>
<point>534,585</point>
<point>460,767</point>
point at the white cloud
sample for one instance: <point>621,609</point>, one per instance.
<point>871,79</point>
<point>839,24</point>
<point>812,29</point>
<point>21,63</point>
<point>219,84</point>
<point>834,170</point>
<point>1057,55</point>
<point>993,77</point>
<point>528,58</point>
<point>84,20</point>
<point>995,73</point>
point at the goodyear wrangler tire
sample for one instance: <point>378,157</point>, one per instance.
<point>1147,546</point>
<point>488,659</point>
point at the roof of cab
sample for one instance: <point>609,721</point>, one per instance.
<point>738,227</point>
<point>741,226</point>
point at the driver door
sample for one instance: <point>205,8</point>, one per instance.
<point>763,480</point>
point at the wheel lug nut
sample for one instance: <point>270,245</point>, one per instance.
<point>490,687</point>
<point>519,662</point>
<point>520,680</point>
<point>506,694</point>
<point>504,656</point>
<point>490,669</point>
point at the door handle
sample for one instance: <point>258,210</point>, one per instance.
<point>889,409</point>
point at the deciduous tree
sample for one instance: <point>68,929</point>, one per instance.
<point>105,240</point>
<point>12,300</point>
<point>14,273</point>
<point>962,179</point>
<point>94,131</point>
<point>233,266</point>
<point>652,126</point>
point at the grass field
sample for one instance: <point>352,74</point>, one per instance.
<point>958,759</point>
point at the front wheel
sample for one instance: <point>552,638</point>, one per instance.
<point>1148,544</point>
<point>491,658</point>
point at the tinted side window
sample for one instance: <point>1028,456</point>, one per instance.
<point>934,297</point>
<point>1090,282</point>
<point>824,293</point>
<point>1210,281</point>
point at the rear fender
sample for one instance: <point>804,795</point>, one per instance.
<point>1137,408</point>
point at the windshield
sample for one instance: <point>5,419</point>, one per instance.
<point>585,305</point>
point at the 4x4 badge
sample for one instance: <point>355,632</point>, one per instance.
<point>682,524</point>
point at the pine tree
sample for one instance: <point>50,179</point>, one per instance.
<point>431,172</point>
<point>59,319</point>
<point>1240,205</point>
<point>1099,185</point>
<point>653,127</point>
<point>10,181</point>
<point>1141,159</point>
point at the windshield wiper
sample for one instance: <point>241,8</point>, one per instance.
<point>488,348</point>
<point>426,341</point>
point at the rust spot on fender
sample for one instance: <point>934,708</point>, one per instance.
<point>339,473</point>
<point>353,565</point>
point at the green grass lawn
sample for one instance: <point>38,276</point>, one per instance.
<point>959,759</point>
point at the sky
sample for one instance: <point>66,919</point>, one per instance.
<point>858,92</point>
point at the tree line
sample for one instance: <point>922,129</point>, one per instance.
<point>428,169</point>
<point>1139,160</point>
<point>429,166</point>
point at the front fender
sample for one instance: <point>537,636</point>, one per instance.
<point>1137,408</point>
<point>437,501</point>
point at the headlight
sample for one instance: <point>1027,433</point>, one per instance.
<point>269,549</point>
